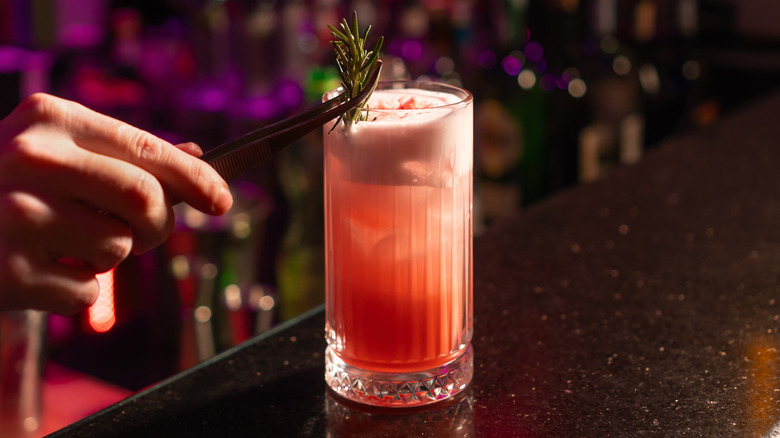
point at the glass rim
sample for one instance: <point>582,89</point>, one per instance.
<point>466,97</point>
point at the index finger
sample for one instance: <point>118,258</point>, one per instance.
<point>184,176</point>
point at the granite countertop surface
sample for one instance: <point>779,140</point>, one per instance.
<point>644,304</point>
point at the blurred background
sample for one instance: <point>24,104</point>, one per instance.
<point>564,91</point>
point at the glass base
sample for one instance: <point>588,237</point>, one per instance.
<point>411,389</point>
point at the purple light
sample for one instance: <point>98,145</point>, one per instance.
<point>412,50</point>
<point>289,94</point>
<point>213,100</point>
<point>10,59</point>
<point>37,61</point>
<point>261,108</point>
<point>486,59</point>
<point>534,51</point>
<point>81,35</point>
<point>541,66</point>
<point>561,82</point>
<point>205,98</point>
<point>511,65</point>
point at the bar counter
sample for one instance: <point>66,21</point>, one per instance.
<point>644,304</point>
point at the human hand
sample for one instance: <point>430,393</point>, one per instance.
<point>80,186</point>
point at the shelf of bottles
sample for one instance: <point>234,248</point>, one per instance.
<point>565,89</point>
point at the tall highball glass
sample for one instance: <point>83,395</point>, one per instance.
<point>398,243</point>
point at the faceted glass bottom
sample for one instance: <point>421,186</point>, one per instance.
<point>411,389</point>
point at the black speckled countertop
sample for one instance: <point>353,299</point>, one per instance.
<point>645,304</point>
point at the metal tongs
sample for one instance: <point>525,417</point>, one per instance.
<point>243,153</point>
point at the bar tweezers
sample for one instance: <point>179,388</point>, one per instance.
<point>247,151</point>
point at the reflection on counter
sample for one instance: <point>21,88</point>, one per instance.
<point>451,419</point>
<point>761,383</point>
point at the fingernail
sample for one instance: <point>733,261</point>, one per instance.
<point>223,200</point>
<point>195,149</point>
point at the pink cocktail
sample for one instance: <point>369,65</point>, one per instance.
<point>398,233</point>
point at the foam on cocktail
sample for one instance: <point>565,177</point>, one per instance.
<point>425,130</point>
<point>401,100</point>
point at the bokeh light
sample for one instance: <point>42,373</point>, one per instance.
<point>649,79</point>
<point>621,65</point>
<point>577,88</point>
<point>445,66</point>
<point>609,44</point>
<point>411,50</point>
<point>534,51</point>
<point>511,65</point>
<point>526,79</point>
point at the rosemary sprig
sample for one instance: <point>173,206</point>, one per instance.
<point>354,63</point>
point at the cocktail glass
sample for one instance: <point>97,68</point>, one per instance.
<point>398,243</point>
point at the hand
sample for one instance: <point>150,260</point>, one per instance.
<point>80,186</point>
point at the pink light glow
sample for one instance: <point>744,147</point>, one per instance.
<point>101,313</point>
